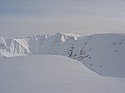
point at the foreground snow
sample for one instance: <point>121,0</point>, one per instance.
<point>53,74</point>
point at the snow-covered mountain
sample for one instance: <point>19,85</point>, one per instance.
<point>102,53</point>
<point>39,44</point>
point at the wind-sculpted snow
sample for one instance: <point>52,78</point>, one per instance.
<point>102,53</point>
<point>53,74</point>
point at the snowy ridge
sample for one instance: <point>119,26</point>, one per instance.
<point>102,53</point>
<point>39,44</point>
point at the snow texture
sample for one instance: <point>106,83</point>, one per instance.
<point>53,74</point>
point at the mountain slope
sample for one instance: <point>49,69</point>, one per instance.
<point>102,53</point>
<point>53,74</point>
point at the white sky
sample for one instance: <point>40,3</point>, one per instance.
<point>27,17</point>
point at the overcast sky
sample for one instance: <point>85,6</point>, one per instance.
<point>27,17</point>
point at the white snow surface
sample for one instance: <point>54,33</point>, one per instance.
<point>101,53</point>
<point>53,74</point>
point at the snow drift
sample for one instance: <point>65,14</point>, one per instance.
<point>53,74</point>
